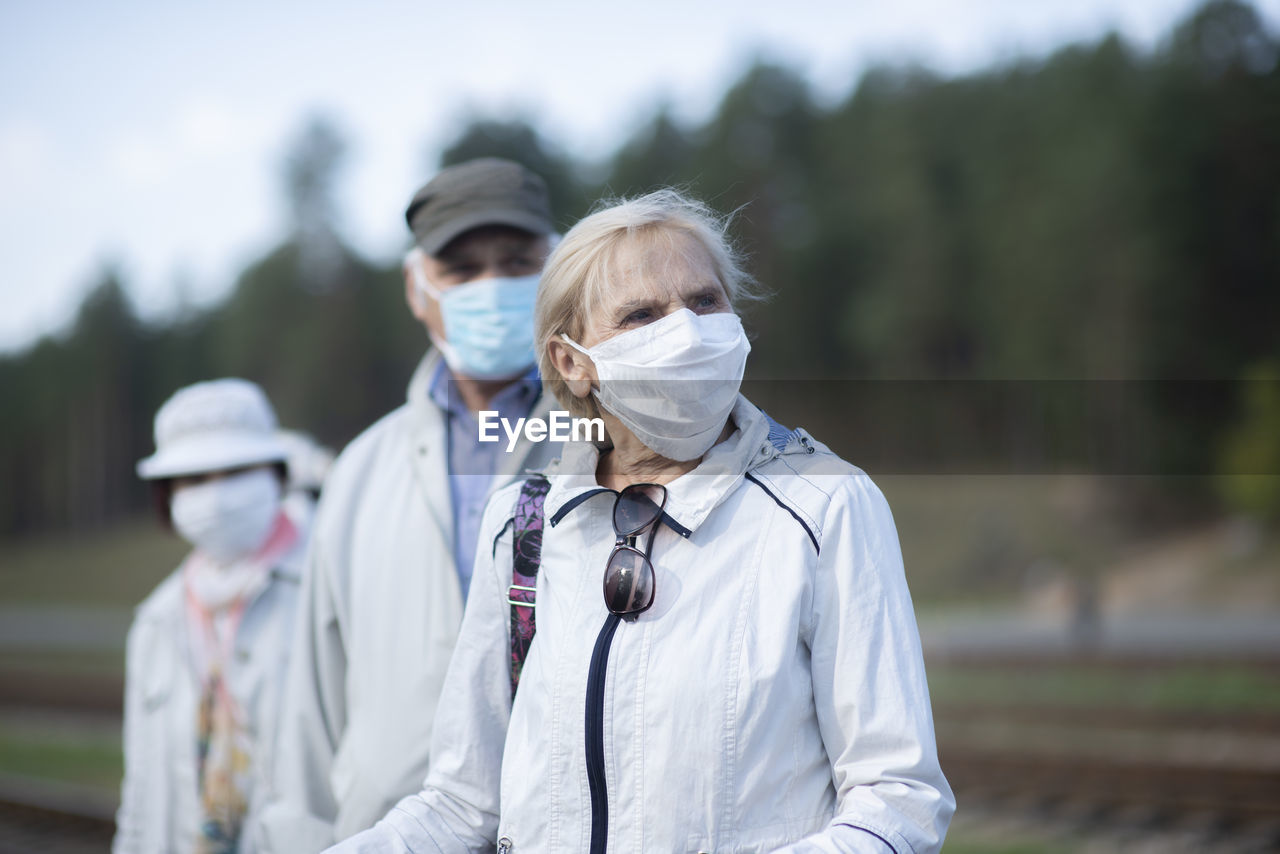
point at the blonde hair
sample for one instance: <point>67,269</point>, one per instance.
<point>578,273</point>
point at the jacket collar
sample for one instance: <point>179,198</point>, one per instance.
<point>517,398</point>
<point>429,441</point>
<point>690,497</point>
<point>419,395</point>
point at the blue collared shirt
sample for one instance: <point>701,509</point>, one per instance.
<point>472,463</point>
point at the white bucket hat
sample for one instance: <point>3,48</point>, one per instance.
<point>213,426</point>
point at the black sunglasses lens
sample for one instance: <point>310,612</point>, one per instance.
<point>638,506</point>
<point>628,582</point>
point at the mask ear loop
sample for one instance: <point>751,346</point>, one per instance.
<point>595,392</point>
<point>413,265</point>
<point>422,287</point>
<point>575,345</point>
<point>423,284</point>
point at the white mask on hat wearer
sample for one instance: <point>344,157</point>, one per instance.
<point>673,382</point>
<point>230,517</point>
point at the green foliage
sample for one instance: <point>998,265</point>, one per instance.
<point>310,172</point>
<point>323,331</point>
<point>517,140</point>
<point>126,562</point>
<point>49,752</point>
<point>1250,456</point>
<point>1096,214</point>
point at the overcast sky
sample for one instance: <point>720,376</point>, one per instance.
<point>149,134</point>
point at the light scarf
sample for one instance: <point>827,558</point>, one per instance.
<point>216,597</point>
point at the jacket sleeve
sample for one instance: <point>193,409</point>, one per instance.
<point>870,691</point>
<point>130,816</point>
<point>301,810</point>
<point>457,810</point>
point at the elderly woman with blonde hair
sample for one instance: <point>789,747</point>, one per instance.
<point>751,678</point>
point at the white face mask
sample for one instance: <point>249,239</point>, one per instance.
<point>673,382</point>
<point>228,518</point>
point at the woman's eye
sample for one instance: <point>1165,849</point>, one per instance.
<point>707,301</point>
<point>642,315</point>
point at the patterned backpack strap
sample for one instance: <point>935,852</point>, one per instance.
<point>526,547</point>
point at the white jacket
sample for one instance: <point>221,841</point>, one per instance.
<point>159,803</point>
<point>773,698</point>
<point>380,614</point>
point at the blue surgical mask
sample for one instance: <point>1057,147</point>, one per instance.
<point>488,325</point>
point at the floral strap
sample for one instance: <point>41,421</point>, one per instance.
<point>526,547</point>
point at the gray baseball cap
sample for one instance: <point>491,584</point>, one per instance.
<point>487,191</point>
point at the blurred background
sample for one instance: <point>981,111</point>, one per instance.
<point>1025,270</point>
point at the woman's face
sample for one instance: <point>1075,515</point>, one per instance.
<point>649,279</point>
<point>653,281</point>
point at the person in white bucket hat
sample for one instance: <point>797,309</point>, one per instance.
<point>208,649</point>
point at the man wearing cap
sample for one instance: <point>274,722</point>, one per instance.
<point>395,532</point>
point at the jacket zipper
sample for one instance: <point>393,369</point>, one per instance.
<point>595,736</point>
